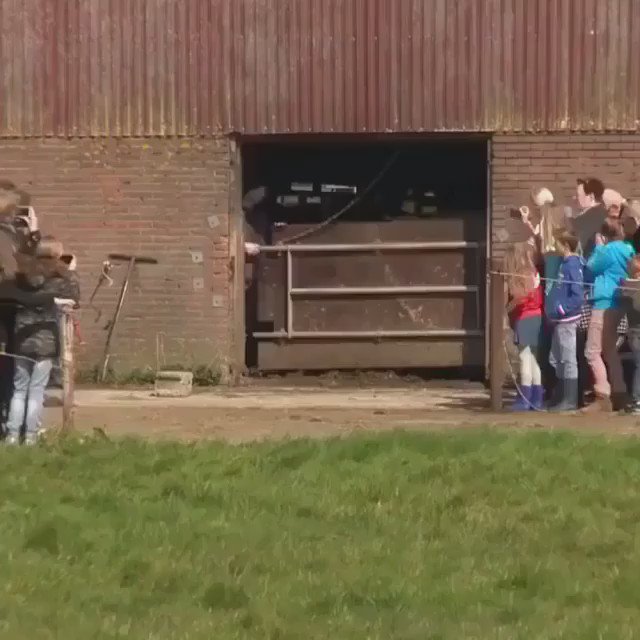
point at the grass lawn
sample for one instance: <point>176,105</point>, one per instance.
<point>475,534</point>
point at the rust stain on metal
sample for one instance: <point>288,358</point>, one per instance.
<point>204,67</point>
<point>374,291</point>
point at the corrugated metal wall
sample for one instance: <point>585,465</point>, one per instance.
<point>191,67</point>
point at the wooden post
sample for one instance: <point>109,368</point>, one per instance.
<point>237,265</point>
<point>496,336</point>
<point>68,370</point>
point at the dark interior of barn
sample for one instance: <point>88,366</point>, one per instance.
<point>440,177</point>
<point>301,192</point>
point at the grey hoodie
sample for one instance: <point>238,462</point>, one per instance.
<point>630,302</point>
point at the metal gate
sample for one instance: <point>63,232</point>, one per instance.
<point>381,304</point>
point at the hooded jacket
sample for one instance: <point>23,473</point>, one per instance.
<point>566,295</point>
<point>630,302</point>
<point>608,268</point>
<point>36,327</point>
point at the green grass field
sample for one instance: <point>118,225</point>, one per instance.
<point>474,534</point>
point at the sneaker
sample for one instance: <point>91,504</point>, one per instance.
<point>12,441</point>
<point>31,441</point>
<point>633,408</point>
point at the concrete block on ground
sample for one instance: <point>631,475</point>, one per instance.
<point>173,384</point>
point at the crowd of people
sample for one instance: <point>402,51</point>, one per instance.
<point>573,282</point>
<point>37,278</point>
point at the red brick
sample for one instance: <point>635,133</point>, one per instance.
<point>556,161</point>
<point>149,196</point>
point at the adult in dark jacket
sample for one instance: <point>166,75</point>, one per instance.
<point>37,337</point>
<point>630,302</point>
<point>589,221</point>
<point>18,232</point>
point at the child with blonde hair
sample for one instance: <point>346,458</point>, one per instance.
<point>525,315</point>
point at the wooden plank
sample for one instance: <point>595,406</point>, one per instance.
<point>237,263</point>
<point>496,337</point>
<point>68,371</point>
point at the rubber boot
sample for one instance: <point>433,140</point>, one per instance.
<point>569,397</point>
<point>537,397</point>
<point>523,400</point>
<point>557,394</point>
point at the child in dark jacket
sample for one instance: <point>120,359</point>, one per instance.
<point>630,302</point>
<point>563,306</point>
<point>37,338</point>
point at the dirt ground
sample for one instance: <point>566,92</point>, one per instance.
<point>260,411</point>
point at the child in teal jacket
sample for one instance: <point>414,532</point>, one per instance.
<point>607,268</point>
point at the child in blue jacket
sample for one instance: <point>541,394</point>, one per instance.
<point>563,305</point>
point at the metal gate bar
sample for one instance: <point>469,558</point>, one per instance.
<point>369,248</point>
<point>289,333</point>
<point>380,291</point>
<point>429,333</point>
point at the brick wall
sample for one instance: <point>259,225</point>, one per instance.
<point>555,161</point>
<point>167,199</point>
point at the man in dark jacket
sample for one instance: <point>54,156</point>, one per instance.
<point>589,221</point>
<point>586,226</point>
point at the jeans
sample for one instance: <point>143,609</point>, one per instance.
<point>634,343</point>
<point>564,356</point>
<point>29,383</point>
<point>601,339</point>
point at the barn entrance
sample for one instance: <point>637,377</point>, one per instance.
<point>372,254</point>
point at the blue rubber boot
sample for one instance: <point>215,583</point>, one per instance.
<point>523,400</point>
<point>537,397</point>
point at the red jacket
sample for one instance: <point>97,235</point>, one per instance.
<point>528,307</point>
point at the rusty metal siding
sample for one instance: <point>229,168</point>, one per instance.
<point>202,67</point>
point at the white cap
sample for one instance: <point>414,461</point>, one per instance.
<point>611,198</point>
<point>542,196</point>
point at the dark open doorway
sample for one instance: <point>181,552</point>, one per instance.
<point>386,253</point>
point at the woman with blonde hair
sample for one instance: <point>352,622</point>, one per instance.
<point>546,222</point>
<point>552,222</point>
